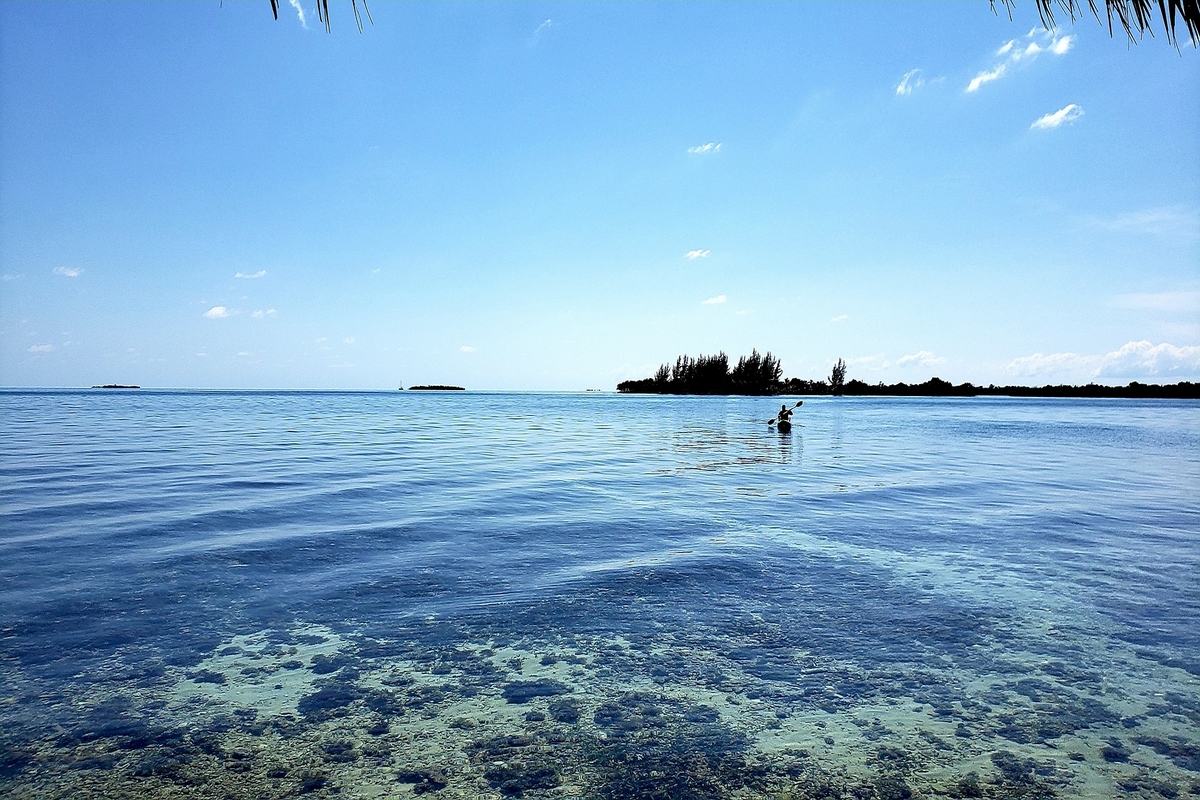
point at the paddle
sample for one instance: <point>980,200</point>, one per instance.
<point>772,420</point>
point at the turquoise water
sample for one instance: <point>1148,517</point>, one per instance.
<point>208,594</point>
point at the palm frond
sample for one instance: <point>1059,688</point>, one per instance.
<point>1134,16</point>
<point>323,13</point>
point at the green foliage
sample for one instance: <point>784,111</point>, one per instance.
<point>837,378</point>
<point>755,374</point>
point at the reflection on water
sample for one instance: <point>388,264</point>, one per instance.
<point>273,594</point>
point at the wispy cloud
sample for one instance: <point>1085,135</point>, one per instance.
<point>694,254</point>
<point>713,301</point>
<point>250,275</point>
<point>1026,49</point>
<point>299,13</point>
<point>1164,220</point>
<point>8,276</point>
<point>245,353</point>
<point>68,272</point>
<point>1133,361</point>
<point>545,26</point>
<point>466,348</point>
<point>263,313</point>
<point>923,358</point>
<point>987,76</point>
<point>41,348</point>
<point>840,318</point>
<point>217,312</point>
<point>1066,114</point>
<point>348,340</point>
<point>703,149</point>
<point>911,80</point>
<point>871,363</point>
<point>1160,301</point>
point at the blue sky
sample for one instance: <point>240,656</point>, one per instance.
<point>560,196</point>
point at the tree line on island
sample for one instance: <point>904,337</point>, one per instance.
<point>762,374</point>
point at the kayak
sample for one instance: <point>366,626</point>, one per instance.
<point>784,426</point>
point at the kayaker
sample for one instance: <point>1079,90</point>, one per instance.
<point>785,414</point>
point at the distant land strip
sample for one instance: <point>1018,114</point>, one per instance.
<point>117,386</point>
<point>936,387</point>
<point>758,375</point>
<point>435,387</point>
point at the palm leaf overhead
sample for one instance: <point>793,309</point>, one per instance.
<point>323,12</point>
<point>1135,16</point>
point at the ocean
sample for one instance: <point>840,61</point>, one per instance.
<point>476,594</point>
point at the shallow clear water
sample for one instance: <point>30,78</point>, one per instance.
<point>548,595</point>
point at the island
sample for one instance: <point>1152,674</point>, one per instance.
<point>763,375</point>
<point>117,386</point>
<point>435,387</point>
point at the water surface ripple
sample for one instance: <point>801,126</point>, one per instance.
<point>370,594</point>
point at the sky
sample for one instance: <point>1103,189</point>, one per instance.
<point>559,196</point>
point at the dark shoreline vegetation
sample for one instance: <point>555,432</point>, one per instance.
<point>435,387</point>
<point>763,375</point>
<point>117,386</point>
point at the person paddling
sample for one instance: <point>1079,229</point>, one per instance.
<point>785,414</point>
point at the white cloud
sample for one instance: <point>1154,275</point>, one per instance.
<point>701,149</point>
<point>263,313</point>
<point>714,301</point>
<point>694,254</point>
<point>1140,360</point>
<point>987,76</point>
<point>251,275</point>
<point>840,318</point>
<point>299,13</point>
<point>217,312</point>
<point>923,358</point>
<point>245,353</point>
<point>1062,45</point>
<point>10,277</point>
<point>41,348</point>
<point>1068,113</point>
<point>201,355</point>
<point>68,272</point>
<point>466,348</point>
<point>911,80</point>
<point>1134,358</point>
<point>348,340</point>
<point>1160,301</point>
<point>547,25</point>
<point>1038,41</point>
